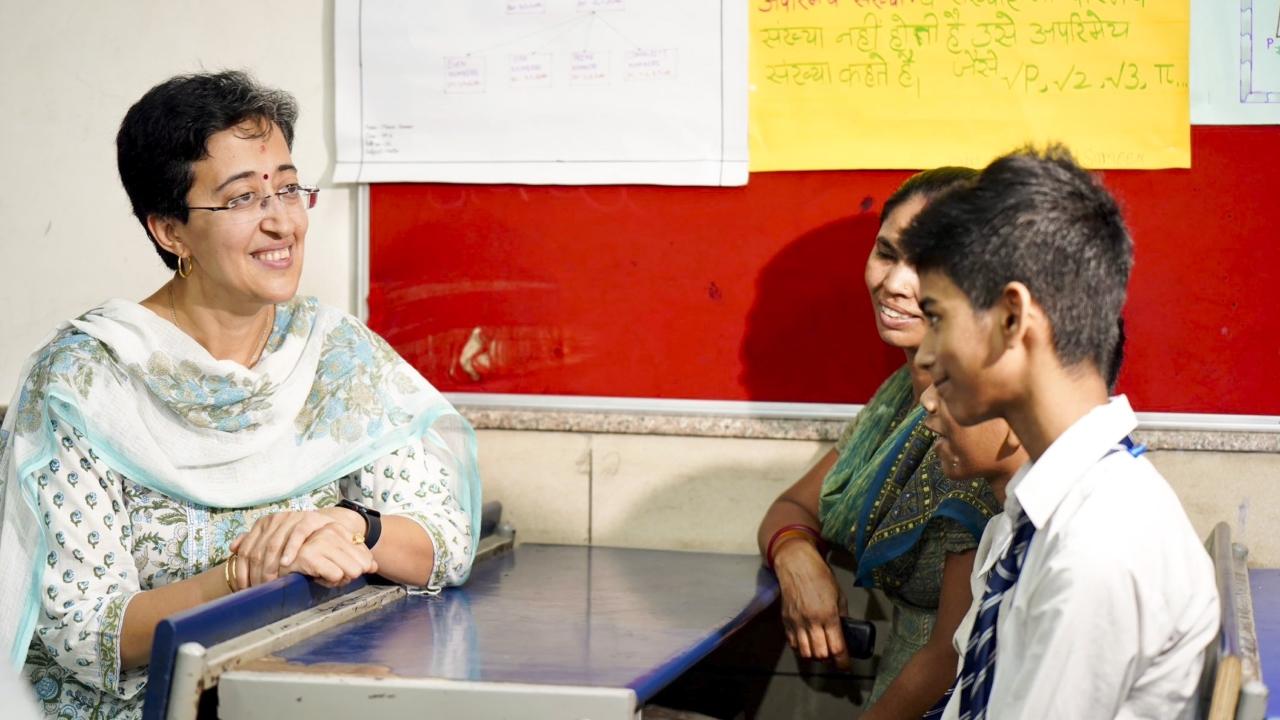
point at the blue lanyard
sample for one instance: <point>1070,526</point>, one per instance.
<point>1135,449</point>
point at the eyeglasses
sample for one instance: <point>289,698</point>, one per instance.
<point>252,206</point>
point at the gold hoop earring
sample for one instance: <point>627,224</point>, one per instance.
<point>191,264</point>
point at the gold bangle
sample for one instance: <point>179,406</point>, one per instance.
<point>229,572</point>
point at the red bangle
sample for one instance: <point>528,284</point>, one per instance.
<point>803,529</point>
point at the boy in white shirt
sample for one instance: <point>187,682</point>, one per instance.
<point>1093,597</point>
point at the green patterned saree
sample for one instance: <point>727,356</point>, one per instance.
<point>887,486</point>
<point>888,501</point>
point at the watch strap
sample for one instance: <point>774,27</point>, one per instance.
<point>372,521</point>
<point>373,528</point>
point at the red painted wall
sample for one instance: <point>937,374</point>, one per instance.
<point>757,292</point>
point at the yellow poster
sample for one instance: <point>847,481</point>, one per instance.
<point>918,83</point>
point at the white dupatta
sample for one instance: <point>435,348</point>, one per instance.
<point>328,397</point>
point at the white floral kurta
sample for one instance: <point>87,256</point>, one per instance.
<point>111,538</point>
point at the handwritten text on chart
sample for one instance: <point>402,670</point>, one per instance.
<point>465,74</point>
<point>385,138</point>
<point>765,6</point>
<point>588,67</point>
<point>945,40</point>
<point>539,7</point>
<point>526,7</point>
<point>1010,71</point>
<point>601,5</point>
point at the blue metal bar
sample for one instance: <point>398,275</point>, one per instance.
<point>223,619</point>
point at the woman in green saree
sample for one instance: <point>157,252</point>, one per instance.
<point>881,493</point>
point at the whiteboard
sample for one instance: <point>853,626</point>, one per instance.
<point>541,91</point>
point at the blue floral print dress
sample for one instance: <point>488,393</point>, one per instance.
<point>131,458</point>
<point>111,538</point>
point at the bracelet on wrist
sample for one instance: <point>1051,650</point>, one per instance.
<point>782,534</point>
<point>229,572</point>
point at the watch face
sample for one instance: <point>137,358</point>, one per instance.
<point>365,512</point>
<point>353,506</point>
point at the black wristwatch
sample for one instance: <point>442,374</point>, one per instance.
<point>372,521</point>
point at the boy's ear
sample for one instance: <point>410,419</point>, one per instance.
<point>168,234</point>
<point>1015,313</point>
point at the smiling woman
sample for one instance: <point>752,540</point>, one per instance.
<point>219,433</point>
<point>881,494</point>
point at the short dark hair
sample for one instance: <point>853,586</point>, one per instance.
<point>167,131</point>
<point>1038,218</point>
<point>927,184</point>
<point>1117,357</point>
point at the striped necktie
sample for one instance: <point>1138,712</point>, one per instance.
<point>979,668</point>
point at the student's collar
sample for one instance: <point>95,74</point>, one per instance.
<point>1039,487</point>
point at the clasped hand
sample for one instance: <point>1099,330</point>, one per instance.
<point>316,543</point>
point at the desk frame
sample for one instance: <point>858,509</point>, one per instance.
<point>250,695</point>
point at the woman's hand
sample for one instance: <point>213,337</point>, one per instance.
<point>812,603</point>
<point>274,542</point>
<point>329,556</point>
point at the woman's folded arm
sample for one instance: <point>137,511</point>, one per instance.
<point>426,537</point>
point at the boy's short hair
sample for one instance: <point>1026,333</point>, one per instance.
<point>1116,359</point>
<point>1038,218</point>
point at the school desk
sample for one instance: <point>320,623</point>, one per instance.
<point>544,631</point>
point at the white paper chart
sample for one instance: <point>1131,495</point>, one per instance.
<point>572,92</point>
<point>1235,62</point>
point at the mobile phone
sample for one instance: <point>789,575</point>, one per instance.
<point>859,637</point>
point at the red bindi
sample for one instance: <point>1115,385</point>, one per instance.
<point>264,176</point>
<point>262,148</point>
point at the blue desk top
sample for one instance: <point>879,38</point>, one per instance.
<point>1264,586</point>
<point>559,615</point>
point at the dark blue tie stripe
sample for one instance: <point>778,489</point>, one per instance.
<point>980,655</point>
<point>935,712</point>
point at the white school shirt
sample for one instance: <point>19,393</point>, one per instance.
<point>1116,602</point>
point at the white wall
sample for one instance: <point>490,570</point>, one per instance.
<point>69,69</point>
<point>708,493</point>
